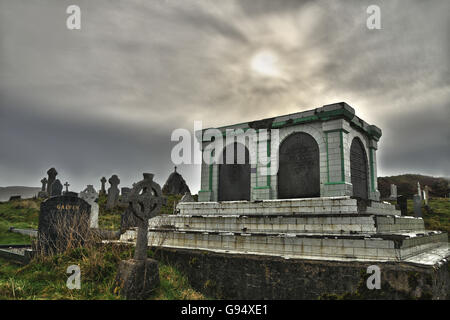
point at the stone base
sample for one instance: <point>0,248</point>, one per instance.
<point>137,279</point>
<point>239,276</point>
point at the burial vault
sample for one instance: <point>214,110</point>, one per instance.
<point>324,152</point>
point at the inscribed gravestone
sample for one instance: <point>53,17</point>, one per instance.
<point>90,195</point>
<point>63,224</point>
<point>113,192</point>
<point>393,195</point>
<point>56,188</point>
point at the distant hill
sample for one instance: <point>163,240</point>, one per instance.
<point>24,192</point>
<point>407,185</point>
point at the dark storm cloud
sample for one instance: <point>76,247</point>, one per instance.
<point>105,99</point>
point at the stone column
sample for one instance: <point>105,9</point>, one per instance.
<point>337,166</point>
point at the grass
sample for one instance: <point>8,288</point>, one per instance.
<point>45,277</point>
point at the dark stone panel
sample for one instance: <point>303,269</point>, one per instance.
<point>236,276</point>
<point>234,179</point>
<point>359,169</point>
<point>299,168</point>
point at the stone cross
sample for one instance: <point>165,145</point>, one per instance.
<point>90,195</point>
<point>52,173</point>
<point>44,184</point>
<point>103,181</point>
<point>113,192</point>
<point>67,186</point>
<point>145,202</point>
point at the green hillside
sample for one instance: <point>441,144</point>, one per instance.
<point>407,185</point>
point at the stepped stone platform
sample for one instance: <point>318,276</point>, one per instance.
<point>331,228</point>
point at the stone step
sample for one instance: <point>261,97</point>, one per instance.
<point>392,247</point>
<point>324,205</point>
<point>319,223</point>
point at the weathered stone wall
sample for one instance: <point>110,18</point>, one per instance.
<point>231,276</point>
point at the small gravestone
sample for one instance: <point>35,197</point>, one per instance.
<point>187,197</point>
<point>417,206</point>
<point>426,194</point>
<point>90,195</point>
<point>123,202</point>
<point>402,205</point>
<point>137,278</point>
<point>113,192</point>
<point>103,190</point>
<point>52,173</point>
<point>419,190</point>
<point>63,224</point>
<point>43,193</point>
<point>56,188</point>
<point>393,195</point>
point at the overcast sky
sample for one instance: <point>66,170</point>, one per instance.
<point>104,100</point>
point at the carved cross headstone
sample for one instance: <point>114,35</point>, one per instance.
<point>103,181</point>
<point>137,278</point>
<point>52,173</point>
<point>145,202</point>
<point>90,195</point>
<point>67,186</point>
<point>113,192</point>
<point>44,184</point>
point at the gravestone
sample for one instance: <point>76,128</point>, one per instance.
<point>419,190</point>
<point>102,190</point>
<point>123,202</point>
<point>125,192</point>
<point>137,278</point>
<point>43,193</point>
<point>417,206</point>
<point>67,187</point>
<point>402,205</point>
<point>52,173</point>
<point>426,193</point>
<point>90,195</point>
<point>113,192</point>
<point>56,188</point>
<point>63,224</point>
<point>393,195</point>
<point>187,198</point>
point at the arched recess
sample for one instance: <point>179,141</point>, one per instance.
<point>359,169</point>
<point>299,167</point>
<point>234,179</point>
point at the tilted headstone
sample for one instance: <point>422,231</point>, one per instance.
<point>417,206</point>
<point>393,195</point>
<point>52,173</point>
<point>138,278</point>
<point>63,224</point>
<point>90,195</point>
<point>103,190</point>
<point>43,193</point>
<point>56,188</point>
<point>113,192</point>
<point>402,205</point>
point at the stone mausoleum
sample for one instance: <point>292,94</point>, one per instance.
<point>325,152</point>
<point>310,228</point>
